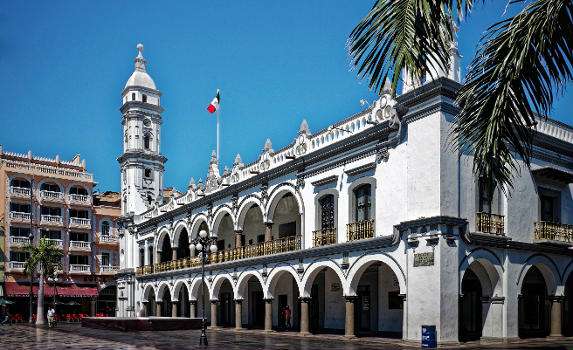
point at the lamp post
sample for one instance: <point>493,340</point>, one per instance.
<point>54,299</point>
<point>204,245</point>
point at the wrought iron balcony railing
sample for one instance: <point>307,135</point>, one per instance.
<point>490,223</point>
<point>360,230</point>
<point>277,246</point>
<point>325,236</point>
<point>553,231</point>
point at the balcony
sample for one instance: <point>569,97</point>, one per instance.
<point>80,223</point>
<point>51,196</point>
<point>80,199</point>
<point>108,269</point>
<point>79,268</point>
<point>16,216</point>
<point>550,231</point>
<point>107,239</point>
<point>20,192</point>
<point>326,236</point>
<point>81,245</point>
<point>56,242</point>
<point>16,265</point>
<point>360,230</point>
<point>51,220</point>
<point>17,240</point>
<point>490,223</point>
<point>277,246</point>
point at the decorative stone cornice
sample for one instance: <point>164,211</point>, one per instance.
<point>137,155</point>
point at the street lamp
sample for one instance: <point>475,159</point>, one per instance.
<point>204,245</point>
<point>54,299</point>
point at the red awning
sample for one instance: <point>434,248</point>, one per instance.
<point>15,289</point>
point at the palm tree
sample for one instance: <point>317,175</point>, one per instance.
<point>47,257</point>
<point>520,64</point>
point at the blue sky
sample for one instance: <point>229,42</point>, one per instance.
<point>63,65</point>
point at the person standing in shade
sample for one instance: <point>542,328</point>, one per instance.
<point>287,318</point>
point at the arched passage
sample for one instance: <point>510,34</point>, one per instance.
<point>196,290</point>
<point>149,302</point>
<point>470,308</point>
<point>250,291</point>
<point>533,305</point>
<point>326,306</point>
<point>480,308</point>
<point>283,290</point>
<point>183,244</point>
<point>253,227</point>
<point>181,294</point>
<point>226,310</point>
<point>285,218</point>
<point>163,304</point>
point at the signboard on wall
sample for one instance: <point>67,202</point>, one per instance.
<point>424,259</point>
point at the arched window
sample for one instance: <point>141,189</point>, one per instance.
<point>20,183</point>
<point>148,172</point>
<point>144,98</point>
<point>327,212</point>
<point>133,96</point>
<point>105,228</point>
<point>363,202</point>
<point>146,141</point>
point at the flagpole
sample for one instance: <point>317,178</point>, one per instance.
<point>219,107</point>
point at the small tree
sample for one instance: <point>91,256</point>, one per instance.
<point>47,257</point>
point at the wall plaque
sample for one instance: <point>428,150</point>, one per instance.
<point>424,259</point>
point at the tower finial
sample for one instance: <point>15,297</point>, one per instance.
<point>139,60</point>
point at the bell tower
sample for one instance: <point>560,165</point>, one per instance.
<point>142,164</point>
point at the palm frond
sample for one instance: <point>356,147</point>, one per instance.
<point>520,64</point>
<point>398,34</point>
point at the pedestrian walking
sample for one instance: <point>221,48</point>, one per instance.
<point>287,318</point>
<point>51,316</point>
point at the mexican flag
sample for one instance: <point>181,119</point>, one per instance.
<point>214,104</point>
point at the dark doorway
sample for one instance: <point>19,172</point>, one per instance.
<point>314,309</point>
<point>470,308</point>
<point>568,308</point>
<point>533,308</point>
<point>166,306</point>
<point>151,304</point>
<point>226,307</point>
<point>362,309</point>
<point>257,309</point>
<point>283,302</point>
<point>166,252</point>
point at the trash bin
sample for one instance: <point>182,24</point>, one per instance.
<point>429,337</point>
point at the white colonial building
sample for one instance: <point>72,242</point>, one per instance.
<point>370,226</point>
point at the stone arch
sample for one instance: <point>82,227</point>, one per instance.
<point>146,292</point>
<point>179,226</point>
<point>216,285</point>
<point>195,289</point>
<point>275,275</point>
<point>196,223</point>
<point>244,208</point>
<point>548,270</point>
<point>161,290</point>
<point>20,176</point>
<point>489,272</point>
<point>313,269</point>
<point>45,180</point>
<point>244,277</point>
<point>163,234</point>
<point>78,184</point>
<point>362,263</point>
<point>566,272</point>
<point>177,289</point>
<point>276,195</point>
<point>219,215</point>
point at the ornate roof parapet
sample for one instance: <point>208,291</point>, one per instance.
<point>212,181</point>
<point>301,143</point>
<point>265,158</point>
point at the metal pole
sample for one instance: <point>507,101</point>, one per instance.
<point>31,237</point>
<point>203,338</point>
<point>218,108</point>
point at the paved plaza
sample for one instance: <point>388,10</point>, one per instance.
<point>73,336</point>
